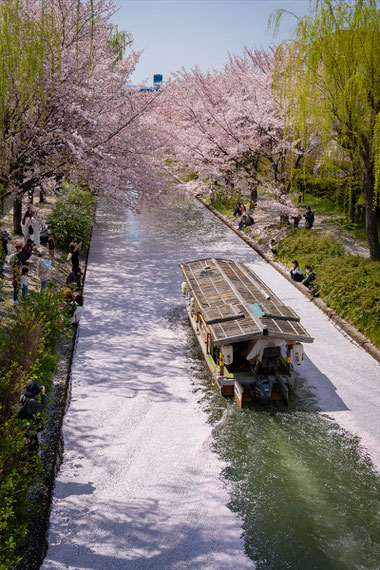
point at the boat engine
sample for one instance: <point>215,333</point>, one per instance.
<point>262,390</point>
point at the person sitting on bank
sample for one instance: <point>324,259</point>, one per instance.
<point>246,220</point>
<point>296,272</point>
<point>296,220</point>
<point>75,277</point>
<point>310,276</point>
<point>239,210</point>
<point>68,292</point>
<point>79,308</point>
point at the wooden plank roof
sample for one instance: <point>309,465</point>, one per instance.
<point>237,305</point>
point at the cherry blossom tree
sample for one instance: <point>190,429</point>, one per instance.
<point>228,124</point>
<point>71,112</point>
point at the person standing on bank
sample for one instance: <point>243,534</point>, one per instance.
<point>74,249</point>
<point>51,244</point>
<point>27,228</point>
<point>4,250</point>
<point>26,251</point>
<point>24,282</point>
<point>44,270</point>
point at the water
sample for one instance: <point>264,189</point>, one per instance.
<point>307,497</point>
<point>306,492</point>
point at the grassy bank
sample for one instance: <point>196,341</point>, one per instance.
<point>30,333</point>
<point>27,352</point>
<point>349,284</point>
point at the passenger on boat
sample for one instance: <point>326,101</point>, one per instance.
<point>310,277</point>
<point>239,210</point>
<point>246,220</point>
<point>296,272</point>
<point>256,348</point>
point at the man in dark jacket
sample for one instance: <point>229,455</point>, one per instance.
<point>26,251</point>
<point>3,250</point>
<point>309,218</point>
<point>310,276</point>
<point>30,406</point>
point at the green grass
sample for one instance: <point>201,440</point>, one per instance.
<point>349,284</point>
<point>323,206</point>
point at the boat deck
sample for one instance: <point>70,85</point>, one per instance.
<point>236,305</point>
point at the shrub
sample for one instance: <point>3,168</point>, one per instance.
<point>27,351</point>
<point>308,247</point>
<point>73,215</point>
<point>18,470</point>
<point>351,286</point>
<point>48,308</point>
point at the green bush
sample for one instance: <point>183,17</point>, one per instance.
<point>308,247</point>
<point>73,214</point>
<point>18,470</point>
<point>27,351</point>
<point>349,284</point>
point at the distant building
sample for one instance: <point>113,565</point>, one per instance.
<point>157,81</point>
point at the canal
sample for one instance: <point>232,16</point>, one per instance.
<point>153,455</point>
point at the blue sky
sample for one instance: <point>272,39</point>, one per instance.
<point>176,33</point>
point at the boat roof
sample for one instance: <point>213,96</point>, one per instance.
<point>236,305</point>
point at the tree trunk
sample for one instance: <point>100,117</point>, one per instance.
<point>253,197</point>
<point>17,214</point>
<point>370,213</point>
<point>42,196</point>
<point>352,206</point>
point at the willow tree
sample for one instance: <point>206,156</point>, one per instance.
<point>328,76</point>
<point>28,44</point>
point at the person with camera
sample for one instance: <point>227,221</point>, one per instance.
<point>74,249</point>
<point>30,407</point>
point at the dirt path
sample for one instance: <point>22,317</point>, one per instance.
<point>267,227</point>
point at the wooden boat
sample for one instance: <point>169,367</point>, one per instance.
<point>247,335</point>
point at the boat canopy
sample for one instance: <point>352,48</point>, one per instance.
<point>236,305</point>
